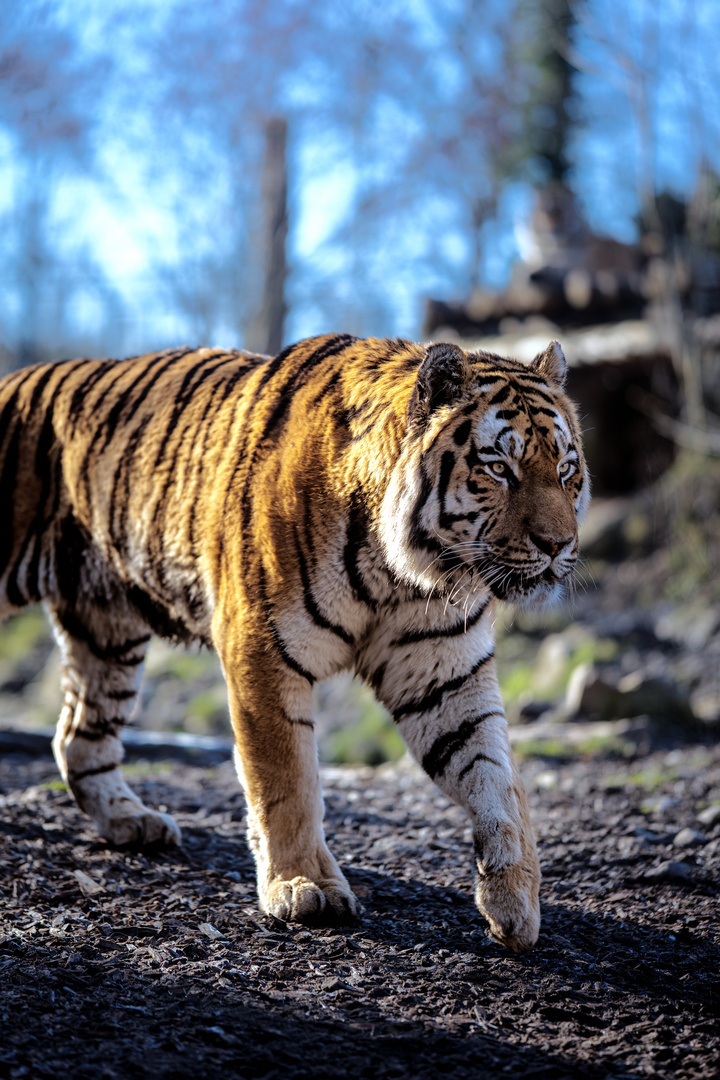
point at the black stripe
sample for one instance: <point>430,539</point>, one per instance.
<point>80,393</point>
<point>70,549</point>
<point>99,728</point>
<point>461,433</point>
<point>376,678</point>
<point>45,514</point>
<point>105,427</point>
<point>355,539</point>
<point>72,625</point>
<point>438,757</point>
<point>272,368</point>
<point>223,392</point>
<point>413,636</point>
<point>310,604</point>
<point>120,695</point>
<point>434,697</point>
<point>360,435</point>
<point>121,481</point>
<point>157,616</point>
<point>193,379</point>
<point>447,465</point>
<point>330,348</point>
<point>329,385</point>
<point>535,390</point>
<point>445,519</point>
<point>478,757</point>
<point>501,394</point>
<point>289,660</point>
<point>11,404</point>
<point>540,410</point>
<point>7,490</point>
<point>161,364</point>
<point>419,537</point>
<point>73,777</point>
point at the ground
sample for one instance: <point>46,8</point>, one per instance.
<point>118,963</point>
<point>159,964</point>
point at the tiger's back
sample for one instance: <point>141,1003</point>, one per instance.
<point>142,459</point>
<point>98,470</point>
<point>345,504</point>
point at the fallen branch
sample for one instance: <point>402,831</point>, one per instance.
<point>703,441</point>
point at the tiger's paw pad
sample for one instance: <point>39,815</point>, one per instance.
<point>509,901</point>
<point>145,828</point>
<point>328,901</point>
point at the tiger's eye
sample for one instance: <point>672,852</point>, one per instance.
<point>565,469</point>
<point>498,468</point>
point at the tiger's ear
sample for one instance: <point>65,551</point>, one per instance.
<point>551,364</point>
<point>441,379</point>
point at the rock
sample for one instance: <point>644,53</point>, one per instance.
<point>690,625</point>
<point>710,816</point>
<point>670,871</point>
<point>664,804</point>
<point>588,694</point>
<point>551,663</point>
<point>530,710</point>
<point>211,932</point>
<point>591,694</point>
<point>660,698</point>
<point>649,836</point>
<point>547,780</point>
<point>602,530</point>
<point>706,706</point>
<point>688,838</point>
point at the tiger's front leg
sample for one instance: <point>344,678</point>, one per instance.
<point>277,764</point>
<point>456,729</point>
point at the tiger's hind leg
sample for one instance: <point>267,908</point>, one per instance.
<point>102,659</point>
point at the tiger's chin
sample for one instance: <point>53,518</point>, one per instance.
<point>531,592</point>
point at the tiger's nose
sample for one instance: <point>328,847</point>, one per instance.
<point>549,545</point>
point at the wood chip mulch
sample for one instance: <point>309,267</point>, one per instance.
<point>128,963</point>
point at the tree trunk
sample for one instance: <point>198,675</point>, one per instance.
<point>266,331</point>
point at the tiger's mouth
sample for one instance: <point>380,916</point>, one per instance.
<point>526,588</point>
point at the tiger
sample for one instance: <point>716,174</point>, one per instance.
<point>350,503</point>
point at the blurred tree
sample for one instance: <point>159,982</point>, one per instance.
<point>405,123</point>
<point>48,104</point>
<point>394,113</point>
<point>541,150</point>
<point>651,70</point>
<point>266,334</point>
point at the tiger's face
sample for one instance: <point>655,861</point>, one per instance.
<point>500,483</point>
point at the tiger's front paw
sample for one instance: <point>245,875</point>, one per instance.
<point>145,828</point>
<point>510,902</point>
<point>329,900</point>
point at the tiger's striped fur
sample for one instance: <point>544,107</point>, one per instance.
<point>346,504</point>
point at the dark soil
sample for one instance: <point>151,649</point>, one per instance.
<point>159,965</point>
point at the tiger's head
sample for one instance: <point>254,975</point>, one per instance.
<point>491,481</point>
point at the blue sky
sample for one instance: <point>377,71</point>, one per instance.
<point>147,211</point>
